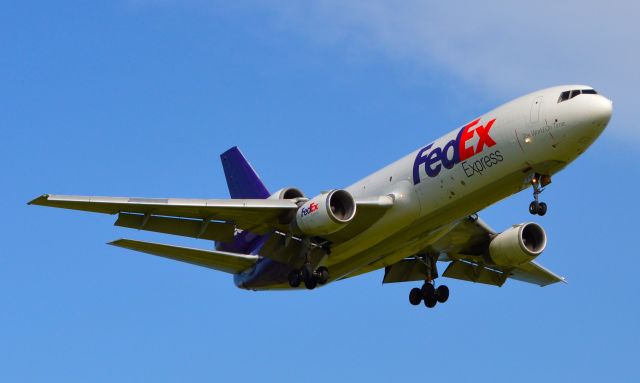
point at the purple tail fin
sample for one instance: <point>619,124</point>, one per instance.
<point>242,180</point>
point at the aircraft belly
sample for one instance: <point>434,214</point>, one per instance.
<point>373,249</point>
<point>428,228</point>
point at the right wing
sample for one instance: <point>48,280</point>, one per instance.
<point>218,260</point>
<point>465,246</point>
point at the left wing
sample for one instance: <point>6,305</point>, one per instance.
<point>256,215</point>
<point>214,219</point>
<point>465,245</point>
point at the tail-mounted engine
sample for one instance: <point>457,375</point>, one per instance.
<point>518,244</point>
<point>287,193</point>
<point>325,213</point>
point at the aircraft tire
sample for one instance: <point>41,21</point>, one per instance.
<point>307,272</point>
<point>442,293</point>
<point>429,295</point>
<point>542,209</point>
<point>294,278</point>
<point>431,302</point>
<point>415,296</point>
<point>427,290</point>
<point>323,275</point>
<point>533,207</point>
<point>310,283</point>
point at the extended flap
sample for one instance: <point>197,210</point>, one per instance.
<point>475,273</point>
<point>406,270</point>
<point>204,229</point>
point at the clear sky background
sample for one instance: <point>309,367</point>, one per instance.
<point>139,98</point>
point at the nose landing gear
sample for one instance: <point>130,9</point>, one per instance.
<point>538,182</point>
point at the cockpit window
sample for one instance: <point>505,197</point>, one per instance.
<point>564,96</point>
<point>568,94</point>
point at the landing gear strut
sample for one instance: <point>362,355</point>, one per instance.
<point>428,293</point>
<point>538,182</point>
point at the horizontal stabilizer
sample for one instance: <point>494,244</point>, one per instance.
<point>232,263</point>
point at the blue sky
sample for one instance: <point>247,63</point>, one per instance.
<point>138,98</point>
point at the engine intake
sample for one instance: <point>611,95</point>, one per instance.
<point>325,213</point>
<point>518,244</point>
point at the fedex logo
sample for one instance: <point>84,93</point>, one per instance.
<point>313,207</point>
<point>454,151</point>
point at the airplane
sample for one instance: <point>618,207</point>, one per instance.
<point>405,218</point>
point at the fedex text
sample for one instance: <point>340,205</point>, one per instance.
<point>459,150</point>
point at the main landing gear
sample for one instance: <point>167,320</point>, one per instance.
<point>538,182</point>
<point>308,274</point>
<point>311,278</point>
<point>428,293</point>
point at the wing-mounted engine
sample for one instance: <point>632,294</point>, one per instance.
<point>325,213</point>
<point>518,244</point>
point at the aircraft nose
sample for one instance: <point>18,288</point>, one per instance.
<point>600,110</point>
<point>596,113</point>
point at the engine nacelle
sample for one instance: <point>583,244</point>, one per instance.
<point>325,214</point>
<point>518,244</point>
<point>287,193</point>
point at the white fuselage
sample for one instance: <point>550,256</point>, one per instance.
<point>467,170</point>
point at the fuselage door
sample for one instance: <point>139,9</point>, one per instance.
<point>535,110</point>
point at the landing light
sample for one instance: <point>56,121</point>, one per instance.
<point>528,140</point>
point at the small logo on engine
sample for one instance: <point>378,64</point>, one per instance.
<point>313,207</point>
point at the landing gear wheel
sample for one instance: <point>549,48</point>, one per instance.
<point>534,207</point>
<point>442,293</point>
<point>430,302</point>
<point>415,296</point>
<point>429,295</point>
<point>308,277</point>
<point>322,275</point>
<point>294,278</point>
<point>306,272</point>
<point>542,209</point>
<point>310,283</point>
